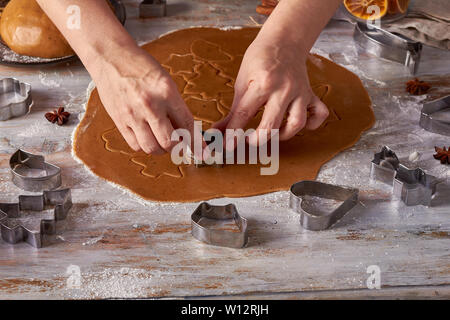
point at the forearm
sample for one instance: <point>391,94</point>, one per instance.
<point>298,22</point>
<point>100,35</point>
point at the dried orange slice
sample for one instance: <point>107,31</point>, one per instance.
<point>398,6</point>
<point>364,9</point>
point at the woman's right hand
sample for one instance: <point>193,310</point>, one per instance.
<point>142,100</point>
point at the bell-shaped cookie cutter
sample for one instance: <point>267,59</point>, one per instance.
<point>387,45</point>
<point>61,199</point>
<point>15,98</point>
<point>316,222</point>
<point>222,238</point>
<point>412,186</point>
<point>22,160</point>
<point>435,116</point>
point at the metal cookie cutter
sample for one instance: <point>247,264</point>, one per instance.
<point>61,199</point>
<point>388,45</point>
<point>412,186</point>
<point>22,162</point>
<point>152,8</point>
<point>384,166</point>
<point>15,98</point>
<point>435,116</point>
<point>315,222</point>
<point>223,238</point>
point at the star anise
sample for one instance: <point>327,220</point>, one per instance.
<point>59,116</point>
<point>417,87</point>
<point>442,154</point>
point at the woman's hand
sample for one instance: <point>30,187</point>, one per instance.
<point>273,74</point>
<point>142,100</point>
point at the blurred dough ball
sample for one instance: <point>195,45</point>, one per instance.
<point>27,30</point>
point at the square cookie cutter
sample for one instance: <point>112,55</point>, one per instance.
<point>435,116</point>
<point>388,45</point>
<point>222,238</point>
<point>61,199</point>
<point>22,162</point>
<point>316,222</point>
<point>15,98</point>
<point>412,186</point>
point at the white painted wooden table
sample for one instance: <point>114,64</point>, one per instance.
<point>125,247</point>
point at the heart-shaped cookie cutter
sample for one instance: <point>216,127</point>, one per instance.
<point>61,199</point>
<point>22,160</point>
<point>222,238</point>
<point>316,222</point>
<point>435,116</point>
<point>15,98</point>
<point>412,186</point>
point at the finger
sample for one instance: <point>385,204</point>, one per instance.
<point>146,139</point>
<point>182,118</point>
<point>239,91</point>
<point>317,114</point>
<point>162,130</point>
<point>129,137</point>
<point>245,109</point>
<point>296,120</point>
<point>272,117</point>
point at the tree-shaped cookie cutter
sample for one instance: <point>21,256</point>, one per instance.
<point>412,186</point>
<point>316,222</point>
<point>60,199</point>
<point>25,162</point>
<point>15,98</point>
<point>435,116</point>
<point>222,238</point>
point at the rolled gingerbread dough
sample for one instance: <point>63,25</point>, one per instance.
<point>204,63</point>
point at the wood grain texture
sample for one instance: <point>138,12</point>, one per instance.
<point>129,248</point>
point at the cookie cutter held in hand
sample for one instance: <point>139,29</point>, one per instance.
<point>435,116</point>
<point>222,238</point>
<point>26,162</point>
<point>61,199</point>
<point>412,186</point>
<point>316,222</point>
<point>15,98</point>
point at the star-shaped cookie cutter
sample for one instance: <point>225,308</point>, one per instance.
<point>412,186</point>
<point>15,98</point>
<point>222,238</point>
<point>435,116</point>
<point>316,222</point>
<point>61,199</point>
<point>27,162</point>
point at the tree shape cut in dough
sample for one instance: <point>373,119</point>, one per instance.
<point>204,110</point>
<point>114,142</point>
<point>207,83</point>
<point>208,51</point>
<point>180,63</point>
<point>229,68</point>
<point>155,166</point>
